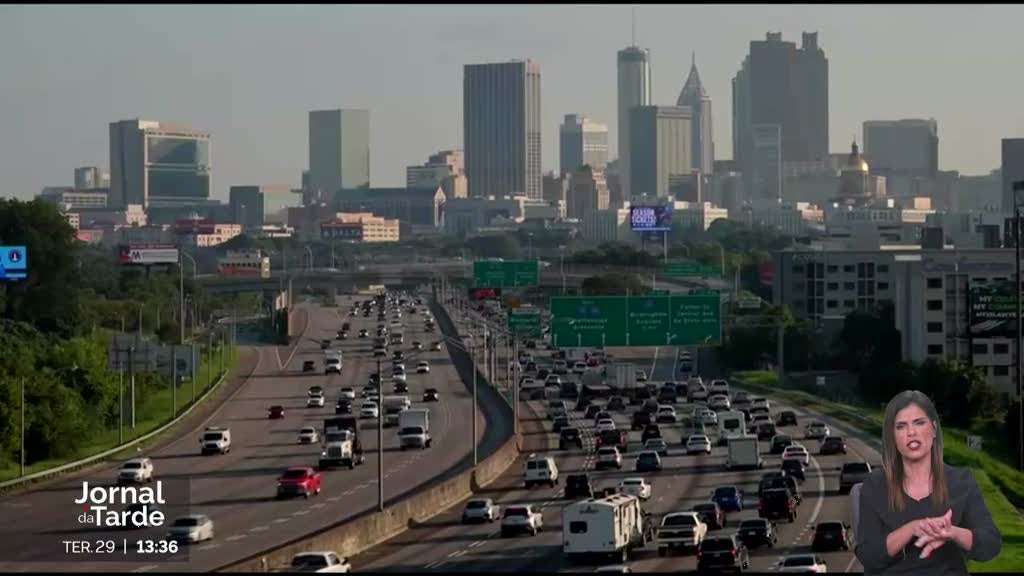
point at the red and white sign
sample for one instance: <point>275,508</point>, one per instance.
<point>146,254</point>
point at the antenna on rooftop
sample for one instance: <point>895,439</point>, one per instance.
<point>632,11</point>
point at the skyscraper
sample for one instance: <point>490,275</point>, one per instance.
<point>1012,169</point>
<point>157,163</point>
<point>634,72</point>
<point>660,143</point>
<point>587,192</point>
<point>502,128</point>
<point>902,147</point>
<point>766,162</point>
<point>582,142</point>
<point>785,86</point>
<point>702,151</point>
<point>339,151</point>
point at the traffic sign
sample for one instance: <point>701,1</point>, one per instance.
<point>505,274</point>
<point>693,269</point>
<point>673,320</point>
<point>525,322</point>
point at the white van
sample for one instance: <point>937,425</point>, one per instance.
<point>540,470</point>
<point>215,439</point>
<point>612,525</point>
<point>731,424</point>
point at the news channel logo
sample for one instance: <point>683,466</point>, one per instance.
<point>650,218</point>
<point>13,262</point>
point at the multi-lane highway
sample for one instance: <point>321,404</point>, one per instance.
<point>445,545</point>
<point>237,490</point>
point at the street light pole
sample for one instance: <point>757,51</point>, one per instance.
<point>181,287</point>
<point>472,356</point>
<point>380,436</point>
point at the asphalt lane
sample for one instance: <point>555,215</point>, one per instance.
<point>444,545</point>
<point>237,489</point>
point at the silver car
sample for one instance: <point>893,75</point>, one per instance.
<point>191,528</point>
<point>480,509</point>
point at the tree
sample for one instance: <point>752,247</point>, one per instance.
<point>612,284</point>
<point>869,338</point>
<point>496,246</point>
<point>959,392</point>
<point>48,297</point>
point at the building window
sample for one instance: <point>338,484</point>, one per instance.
<point>832,268</point>
<point>833,285</point>
<point>981,348</point>
<point>934,327</point>
<point>934,305</point>
<point>1000,348</point>
<point>849,286</point>
<point>832,304</point>
<point>1000,370</point>
<point>848,304</point>
<point>935,282</point>
<point>883,268</point>
<point>849,268</point>
<point>934,349</point>
<point>883,285</point>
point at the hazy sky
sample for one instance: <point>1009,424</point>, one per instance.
<point>250,74</point>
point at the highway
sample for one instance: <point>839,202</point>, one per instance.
<point>237,490</point>
<point>444,545</point>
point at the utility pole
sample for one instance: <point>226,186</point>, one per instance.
<point>120,397</point>
<point>131,374</point>
<point>174,381</point>
<point>380,436</point>
<point>23,426</point>
<point>195,370</point>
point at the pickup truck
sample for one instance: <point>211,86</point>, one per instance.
<point>680,529</point>
<point>299,480</point>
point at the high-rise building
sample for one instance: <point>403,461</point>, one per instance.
<point>444,169</point>
<point>157,163</point>
<point>902,147</point>
<point>582,142</point>
<point>90,178</point>
<point>1012,169</point>
<point>785,86</point>
<point>702,153</point>
<point>660,143</point>
<point>766,162</point>
<point>587,192</point>
<point>634,75</point>
<point>502,128</point>
<point>253,206</point>
<point>339,151</point>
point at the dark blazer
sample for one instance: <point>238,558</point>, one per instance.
<point>877,521</point>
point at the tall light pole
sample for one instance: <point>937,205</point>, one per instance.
<point>380,436</point>
<point>181,287</point>
<point>1017,187</point>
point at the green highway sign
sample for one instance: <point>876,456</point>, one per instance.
<point>507,274</point>
<point>690,269</point>
<point>525,322</point>
<point>650,320</point>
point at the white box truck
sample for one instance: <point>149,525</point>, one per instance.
<point>731,424</point>
<point>414,428</point>
<point>612,526</point>
<point>744,452</point>
<point>623,379</point>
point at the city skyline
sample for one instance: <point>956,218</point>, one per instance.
<point>875,74</point>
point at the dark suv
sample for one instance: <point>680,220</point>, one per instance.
<point>831,536</point>
<point>832,445</point>
<point>777,503</point>
<point>641,419</point>
<point>650,431</point>
<point>755,532</point>
<point>569,437</point>
<point>722,553</point>
<point>786,418</point>
<point>779,443</point>
<point>578,486</point>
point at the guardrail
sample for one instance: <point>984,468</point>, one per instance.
<point>10,485</point>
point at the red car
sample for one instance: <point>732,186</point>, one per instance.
<point>300,480</point>
<point>276,412</point>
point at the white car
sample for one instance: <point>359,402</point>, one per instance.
<point>423,367</point>
<point>708,417</point>
<point>417,345</point>
<point>641,376</point>
<point>308,435</point>
<point>316,401</point>
<point>553,380</point>
<point>719,402</point>
<point>605,424</point>
<point>608,457</point>
<point>191,528</point>
<point>802,563</point>
<point>320,562</point>
<point>635,487</point>
<point>398,366</point>
<point>521,518</point>
<point>347,392</point>
<point>817,431</point>
<point>436,347</point>
<point>719,386</point>
<point>481,509</point>
<point>136,470</point>
<point>579,368</point>
<point>760,403</point>
<point>698,443</point>
<point>369,410</point>
<point>666,414</point>
<point>399,377</point>
<point>796,452</point>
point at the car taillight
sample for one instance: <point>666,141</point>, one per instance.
<point>732,551</point>
<point>760,504</point>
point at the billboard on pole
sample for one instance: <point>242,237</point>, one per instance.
<point>993,309</point>
<point>146,254</point>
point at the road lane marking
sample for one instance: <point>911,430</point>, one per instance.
<point>236,537</point>
<point>478,543</point>
<point>207,547</point>
<point>457,553</point>
<point>281,520</point>
<point>850,565</point>
<point>146,568</point>
<point>334,498</point>
<point>318,506</point>
<point>300,512</point>
<point>259,528</point>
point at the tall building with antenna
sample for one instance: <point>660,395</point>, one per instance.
<point>634,72</point>
<point>702,151</point>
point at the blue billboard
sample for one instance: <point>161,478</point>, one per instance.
<point>650,218</point>
<point>13,262</point>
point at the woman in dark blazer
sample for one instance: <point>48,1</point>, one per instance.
<point>919,515</point>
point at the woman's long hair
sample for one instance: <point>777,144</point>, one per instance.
<point>893,460</point>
